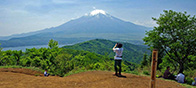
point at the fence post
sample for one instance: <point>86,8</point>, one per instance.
<point>153,68</point>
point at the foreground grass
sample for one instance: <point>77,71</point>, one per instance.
<point>130,72</point>
<point>185,85</point>
<point>80,71</point>
<point>146,73</point>
<point>188,86</point>
<point>75,72</point>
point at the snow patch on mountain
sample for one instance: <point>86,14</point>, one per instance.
<point>97,11</point>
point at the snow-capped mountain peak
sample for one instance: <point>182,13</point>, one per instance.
<point>97,11</point>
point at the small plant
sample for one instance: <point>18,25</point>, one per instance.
<point>75,72</point>
<point>134,72</point>
<point>36,74</point>
<point>146,73</point>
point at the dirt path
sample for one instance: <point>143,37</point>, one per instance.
<point>91,79</point>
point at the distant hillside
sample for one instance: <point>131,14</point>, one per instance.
<point>133,53</point>
<point>37,40</point>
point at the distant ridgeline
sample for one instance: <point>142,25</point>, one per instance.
<point>37,40</point>
<point>133,53</point>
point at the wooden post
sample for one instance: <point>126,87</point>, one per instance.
<point>153,68</point>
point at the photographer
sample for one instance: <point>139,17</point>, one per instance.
<point>118,57</point>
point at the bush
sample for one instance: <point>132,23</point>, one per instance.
<point>146,73</point>
<point>189,80</point>
<point>190,73</point>
<point>36,74</point>
<point>134,72</point>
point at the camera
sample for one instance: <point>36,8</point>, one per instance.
<point>119,45</point>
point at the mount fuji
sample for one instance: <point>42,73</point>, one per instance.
<point>96,24</point>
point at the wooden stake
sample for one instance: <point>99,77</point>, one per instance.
<point>153,68</point>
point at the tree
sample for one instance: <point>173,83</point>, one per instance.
<point>0,48</point>
<point>63,64</point>
<point>145,60</point>
<point>7,58</point>
<point>175,35</point>
<point>17,56</point>
<point>1,55</point>
<point>53,44</point>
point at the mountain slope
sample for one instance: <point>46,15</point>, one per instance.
<point>99,23</point>
<point>133,53</point>
<point>91,26</point>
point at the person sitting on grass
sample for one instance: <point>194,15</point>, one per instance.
<point>180,77</point>
<point>168,75</point>
<point>194,83</point>
<point>46,74</point>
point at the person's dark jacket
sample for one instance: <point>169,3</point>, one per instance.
<point>166,74</point>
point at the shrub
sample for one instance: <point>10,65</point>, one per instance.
<point>36,74</point>
<point>190,73</point>
<point>189,80</point>
<point>146,73</point>
<point>134,72</point>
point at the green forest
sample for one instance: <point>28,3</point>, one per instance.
<point>60,61</point>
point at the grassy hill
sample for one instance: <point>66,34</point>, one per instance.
<point>133,53</point>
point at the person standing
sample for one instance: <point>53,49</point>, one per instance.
<point>118,58</point>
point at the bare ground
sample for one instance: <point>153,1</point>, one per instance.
<point>25,78</point>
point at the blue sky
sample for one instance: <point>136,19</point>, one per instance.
<point>22,16</point>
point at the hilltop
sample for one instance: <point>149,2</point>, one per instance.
<point>90,79</point>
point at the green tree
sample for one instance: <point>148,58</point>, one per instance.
<point>63,64</point>
<point>175,35</point>
<point>25,61</point>
<point>0,48</point>
<point>17,56</point>
<point>7,58</point>
<point>53,44</point>
<point>36,61</point>
<point>1,55</point>
<point>145,60</point>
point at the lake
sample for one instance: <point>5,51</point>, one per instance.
<point>23,48</point>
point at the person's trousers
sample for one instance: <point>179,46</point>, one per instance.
<point>117,63</point>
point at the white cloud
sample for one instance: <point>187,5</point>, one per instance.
<point>147,23</point>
